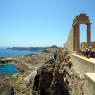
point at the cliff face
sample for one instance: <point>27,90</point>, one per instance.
<point>56,73</point>
<point>75,79</point>
<point>17,84</point>
<point>53,75</point>
<point>63,75</point>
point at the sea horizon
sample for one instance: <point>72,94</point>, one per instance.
<point>4,52</point>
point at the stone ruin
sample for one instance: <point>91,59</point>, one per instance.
<point>73,42</point>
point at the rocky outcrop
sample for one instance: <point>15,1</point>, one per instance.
<point>56,74</point>
<point>77,83</point>
<point>17,84</point>
<point>61,76</point>
<point>53,75</point>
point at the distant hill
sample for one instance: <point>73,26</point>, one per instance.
<point>54,46</point>
<point>32,48</point>
<point>28,48</point>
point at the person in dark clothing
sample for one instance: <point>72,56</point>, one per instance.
<point>36,82</point>
<point>88,53</point>
<point>92,54</point>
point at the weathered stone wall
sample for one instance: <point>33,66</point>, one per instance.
<point>89,86</point>
<point>69,43</point>
<point>83,64</point>
<point>87,68</point>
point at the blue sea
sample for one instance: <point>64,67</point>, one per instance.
<point>9,69</point>
<point>9,52</point>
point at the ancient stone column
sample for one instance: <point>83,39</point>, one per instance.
<point>74,37</point>
<point>88,34</point>
<point>77,38</point>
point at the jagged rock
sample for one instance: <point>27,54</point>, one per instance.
<point>53,74</point>
<point>77,83</point>
<point>4,85</point>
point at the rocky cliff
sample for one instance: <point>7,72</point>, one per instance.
<point>56,74</point>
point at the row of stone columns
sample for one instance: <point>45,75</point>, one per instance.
<point>76,37</point>
<point>88,34</point>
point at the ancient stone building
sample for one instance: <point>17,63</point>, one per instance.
<point>73,42</point>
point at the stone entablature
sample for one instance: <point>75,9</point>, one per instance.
<point>81,19</point>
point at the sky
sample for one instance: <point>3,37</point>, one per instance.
<point>26,23</point>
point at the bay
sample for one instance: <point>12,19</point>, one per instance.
<point>9,69</point>
<point>8,52</point>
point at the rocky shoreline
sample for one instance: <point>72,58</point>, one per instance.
<point>28,64</point>
<point>27,61</point>
<point>22,83</point>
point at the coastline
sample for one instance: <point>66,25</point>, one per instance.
<point>27,63</point>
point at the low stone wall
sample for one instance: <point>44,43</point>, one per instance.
<point>89,85</point>
<point>87,67</point>
<point>84,65</point>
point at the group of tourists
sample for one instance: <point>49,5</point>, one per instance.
<point>89,53</point>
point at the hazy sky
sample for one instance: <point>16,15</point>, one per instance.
<point>41,22</point>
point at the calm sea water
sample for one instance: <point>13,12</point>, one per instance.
<point>9,69</point>
<point>7,52</point>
